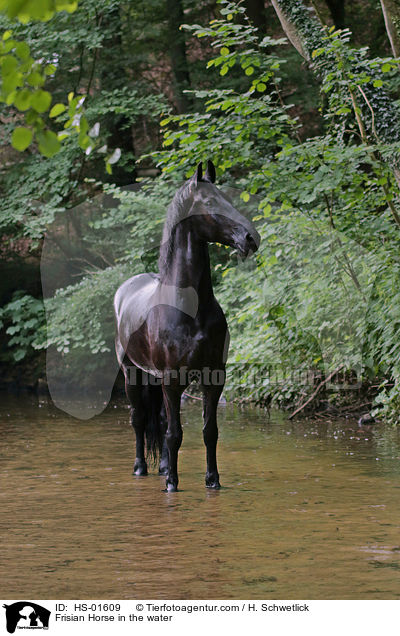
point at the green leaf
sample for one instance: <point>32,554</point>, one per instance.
<point>27,10</point>
<point>50,69</point>
<point>57,110</point>
<point>10,97</point>
<point>11,82</point>
<point>49,143</point>
<point>245,196</point>
<point>8,65</point>
<point>224,70</point>
<point>386,67</point>
<point>83,125</point>
<point>83,140</point>
<point>23,99</point>
<point>261,87</point>
<point>23,51</point>
<point>66,5</point>
<point>35,79</point>
<point>343,110</point>
<point>32,117</point>
<point>249,70</point>
<point>224,51</point>
<point>378,83</point>
<point>41,101</point>
<point>21,138</point>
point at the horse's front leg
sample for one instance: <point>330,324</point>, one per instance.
<point>173,437</point>
<point>163,467</point>
<point>211,395</point>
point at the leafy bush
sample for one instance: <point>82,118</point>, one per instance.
<point>24,320</point>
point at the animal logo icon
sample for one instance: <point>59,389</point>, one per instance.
<point>25,614</point>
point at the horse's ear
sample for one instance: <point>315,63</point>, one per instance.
<point>210,172</point>
<point>198,175</point>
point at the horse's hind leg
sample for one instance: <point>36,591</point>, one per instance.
<point>211,395</point>
<point>133,389</point>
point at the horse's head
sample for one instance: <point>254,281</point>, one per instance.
<point>214,217</point>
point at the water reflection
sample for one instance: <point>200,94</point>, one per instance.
<point>307,510</point>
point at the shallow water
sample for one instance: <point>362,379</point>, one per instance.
<point>307,510</point>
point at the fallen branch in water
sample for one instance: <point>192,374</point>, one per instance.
<point>357,407</point>
<point>192,397</point>
<point>317,390</point>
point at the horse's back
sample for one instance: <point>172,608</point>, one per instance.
<point>131,303</point>
<point>136,289</point>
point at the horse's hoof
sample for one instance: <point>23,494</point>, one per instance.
<point>171,487</point>
<point>140,468</point>
<point>212,481</point>
<point>213,484</point>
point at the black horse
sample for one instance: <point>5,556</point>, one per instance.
<point>171,329</point>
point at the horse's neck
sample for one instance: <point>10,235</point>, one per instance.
<point>188,264</point>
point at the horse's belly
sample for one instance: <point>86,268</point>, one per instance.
<point>164,345</point>
<point>159,327</point>
<point>154,322</point>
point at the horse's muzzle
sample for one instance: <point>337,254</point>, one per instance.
<point>248,244</point>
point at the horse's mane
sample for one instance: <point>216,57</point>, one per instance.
<point>177,211</point>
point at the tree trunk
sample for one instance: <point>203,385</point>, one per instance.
<point>120,135</point>
<point>177,51</point>
<point>391,14</point>
<point>293,33</point>
<point>255,11</point>
<point>337,10</point>
<point>306,33</point>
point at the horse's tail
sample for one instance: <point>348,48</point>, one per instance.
<point>155,424</point>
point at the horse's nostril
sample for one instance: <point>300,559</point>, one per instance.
<point>251,242</point>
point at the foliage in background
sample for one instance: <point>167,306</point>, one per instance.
<point>23,82</point>
<point>341,178</point>
<point>324,193</point>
